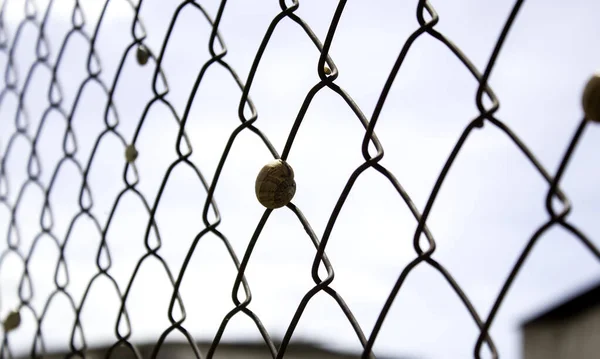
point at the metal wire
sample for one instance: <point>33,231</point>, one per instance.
<point>427,20</point>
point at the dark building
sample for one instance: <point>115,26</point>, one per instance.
<point>569,330</point>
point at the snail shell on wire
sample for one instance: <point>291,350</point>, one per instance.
<point>275,186</point>
<point>142,55</point>
<point>12,321</point>
<point>131,153</point>
<point>591,98</point>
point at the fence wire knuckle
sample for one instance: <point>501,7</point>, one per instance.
<point>372,150</point>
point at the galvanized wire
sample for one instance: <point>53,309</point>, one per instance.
<point>427,19</point>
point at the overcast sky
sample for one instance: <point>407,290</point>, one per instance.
<point>491,202</point>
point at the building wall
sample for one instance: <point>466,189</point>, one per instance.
<point>573,337</point>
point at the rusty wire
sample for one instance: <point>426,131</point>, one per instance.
<point>427,19</point>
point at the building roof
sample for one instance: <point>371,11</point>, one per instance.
<point>574,305</point>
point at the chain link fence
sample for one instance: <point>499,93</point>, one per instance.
<point>30,130</point>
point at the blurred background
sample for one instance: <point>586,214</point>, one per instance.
<point>491,203</point>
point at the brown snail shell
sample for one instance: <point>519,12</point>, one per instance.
<point>275,186</point>
<point>131,153</point>
<point>142,55</point>
<point>12,321</point>
<point>591,98</point>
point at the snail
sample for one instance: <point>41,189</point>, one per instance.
<point>12,321</point>
<point>275,186</point>
<point>591,98</point>
<point>131,153</point>
<point>142,55</point>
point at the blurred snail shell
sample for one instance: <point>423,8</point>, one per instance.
<point>275,186</point>
<point>142,55</point>
<point>12,321</point>
<point>591,98</point>
<point>131,153</point>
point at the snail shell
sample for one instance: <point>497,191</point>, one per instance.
<point>591,98</point>
<point>12,321</point>
<point>131,153</point>
<point>142,55</point>
<point>275,186</point>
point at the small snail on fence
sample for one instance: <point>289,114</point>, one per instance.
<point>591,98</point>
<point>131,153</point>
<point>275,186</point>
<point>12,321</point>
<point>142,55</point>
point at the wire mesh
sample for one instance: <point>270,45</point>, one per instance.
<point>248,115</point>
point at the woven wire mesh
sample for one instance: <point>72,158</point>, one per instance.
<point>424,243</point>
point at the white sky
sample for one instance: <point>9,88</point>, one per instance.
<point>490,204</point>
